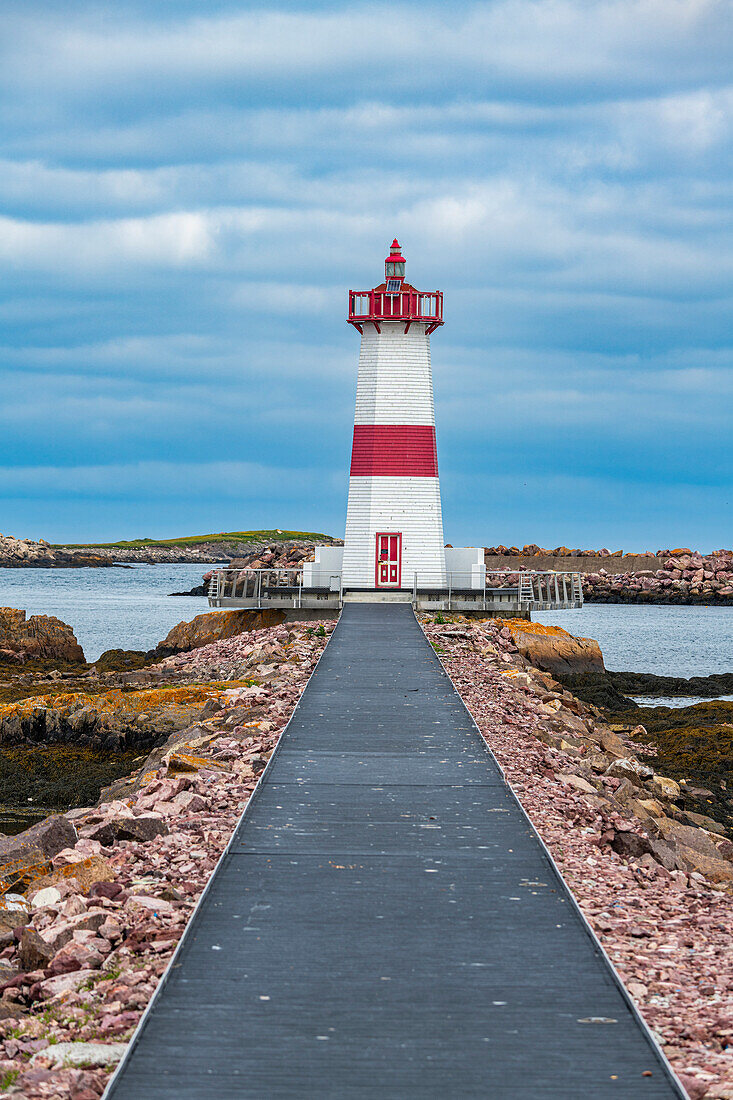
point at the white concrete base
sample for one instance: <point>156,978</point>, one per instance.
<point>325,571</point>
<point>465,567</point>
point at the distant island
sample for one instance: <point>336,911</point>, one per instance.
<point>22,553</point>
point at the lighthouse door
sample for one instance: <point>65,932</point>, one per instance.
<point>388,572</point>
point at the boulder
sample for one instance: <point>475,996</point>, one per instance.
<point>51,835</point>
<point>26,857</point>
<point>109,890</point>
<point>80,1054</point>
<point>630,845</point>
<point>694,839</point>
<point>64,983</point>
<point>75,956</point>
<point>34,952</point>
<point>12,918</point>
<point>46,896</point>
<point>86,872</point>
<point>578,783</point>
<point>630,769</point>
<point>140,828</point>
<point>714,869</point>
<point>554,650</point>
<point>212,627</point>
<point>41,637</point>
<point>665,854</point>
<point>665,787</point>
<point>58,935</point>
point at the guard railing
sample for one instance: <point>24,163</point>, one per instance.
<point>262,586</point>
<point>512,590</point>
<point>526,589</point>
<point>540,586</point>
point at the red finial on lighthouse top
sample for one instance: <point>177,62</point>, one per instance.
<point>395,253</point>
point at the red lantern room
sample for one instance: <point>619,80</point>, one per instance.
<point>395,300</point>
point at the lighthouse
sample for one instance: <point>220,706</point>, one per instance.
<point>394,523</point>
<point>393,548</point>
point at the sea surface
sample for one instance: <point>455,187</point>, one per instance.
<point>677,702</point>
<point>666,640</point>
<point>108,608</point>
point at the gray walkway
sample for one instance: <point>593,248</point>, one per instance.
<point>385,923</point>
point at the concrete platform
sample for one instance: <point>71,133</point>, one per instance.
<point>378,595</point>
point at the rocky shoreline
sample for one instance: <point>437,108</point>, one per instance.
<point>96,899</point>
<point>28,554</point>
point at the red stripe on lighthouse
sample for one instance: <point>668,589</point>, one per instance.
<point>394,450</point>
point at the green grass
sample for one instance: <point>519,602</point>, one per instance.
<point>193,540</point>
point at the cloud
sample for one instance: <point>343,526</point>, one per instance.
<point>530,46</point>
<point>153,480</point>
<point>188,191</point>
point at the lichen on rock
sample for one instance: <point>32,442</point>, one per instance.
<point>555,650</point>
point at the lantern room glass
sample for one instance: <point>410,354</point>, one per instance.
<point>394,269</point>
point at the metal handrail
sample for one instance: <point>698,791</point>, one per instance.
<point>259,584</point>
<point>531,588</point>
<point>406,305</point>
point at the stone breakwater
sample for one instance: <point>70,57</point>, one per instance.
<point>685,579</point>
<point>532,550</point>
<point>94,901</point>
<point>681,576</point>
<point>655,884</point>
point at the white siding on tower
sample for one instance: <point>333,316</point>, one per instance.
<point>395,383</point>
<point>407,504</point>
<point>395,387</point>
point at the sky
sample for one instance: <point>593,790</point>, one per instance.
<point>189,189</point>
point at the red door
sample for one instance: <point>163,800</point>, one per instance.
<point>389,559</point>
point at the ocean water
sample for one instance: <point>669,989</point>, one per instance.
<point>666,640</point>
<point>108,608</point>
<point>677,702</point>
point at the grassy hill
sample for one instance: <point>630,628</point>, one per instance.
<point>194,540</point>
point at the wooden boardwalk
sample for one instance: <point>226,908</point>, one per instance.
<point>385,922</point>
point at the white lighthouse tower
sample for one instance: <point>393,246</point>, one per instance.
<point>394,524</point>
